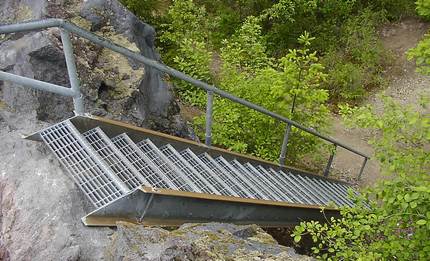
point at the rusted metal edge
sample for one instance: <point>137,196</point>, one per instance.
<point>179,193</point>
<point>164,207</point>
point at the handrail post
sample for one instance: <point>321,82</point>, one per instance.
<point>209,109</point>
<point>282,157</point>
<point>362,167</point>
<point>71,70</point>
<point>330,161</point>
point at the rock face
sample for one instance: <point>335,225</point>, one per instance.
<point>212,241</point>
<point>112,85</point>
<point>41,207</point>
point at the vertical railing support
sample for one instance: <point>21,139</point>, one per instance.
<point>282,157</point>
<point>71,70</point>
<point>330,161</point>
<point>362,167</point>
<point>209,108</point>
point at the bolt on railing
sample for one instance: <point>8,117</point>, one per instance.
<point>75,93</point>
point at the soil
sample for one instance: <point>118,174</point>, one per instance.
<point>405,86</point>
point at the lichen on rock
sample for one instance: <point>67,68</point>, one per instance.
<point>113,86</point>
<point>211,241</point>
<point>23,13</point>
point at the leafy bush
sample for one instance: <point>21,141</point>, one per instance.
<point>184,19</point>
<point>246,49</point>
<point>150,11</point>
<point>421,54</point>
<point>392,220</point>
<point>272,86</point>
<point>394,9</point>
<point>194,59</point>
<point>345,80</point>
<point>357,62</point>
<point>186,36</point>
<point>423,8</point>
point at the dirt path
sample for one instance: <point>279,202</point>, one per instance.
<point>405,86</point>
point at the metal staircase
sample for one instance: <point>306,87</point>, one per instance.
<point>109,162</point>
<point>139,175</point>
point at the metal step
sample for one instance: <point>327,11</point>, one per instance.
<point>114,159</point>
<point>212,177</point>
<point>200,184</point>
<point>93,177</point>
<point>231,182</point>
<point>142,163</point>
<point>273,187</point>
<point>256,182</point>
<point>114,169</point>
<point>246,184</point>
<point>281,188</point>
<point>166,166</point>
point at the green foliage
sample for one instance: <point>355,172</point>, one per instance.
<point>272,85</point>
<point>394,9</point>
<point>392,220</point>
<point>194,59</point>
<point>245,50</point>
<point>423,8</point>
<point>251,48</point>
<point>396,228</point>
<point>185,20</point>
<point>346,80</point>
<point>186,35</point>
<point>150,11</point>
<point>405,131</point>
<point>421,54</point>
<point>358,60</point>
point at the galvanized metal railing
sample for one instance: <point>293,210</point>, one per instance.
<point>74,92</point>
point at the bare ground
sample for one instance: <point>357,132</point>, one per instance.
<point>405,86</point>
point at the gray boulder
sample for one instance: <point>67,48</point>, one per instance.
<point>211,241</point>
<point>113,86</point>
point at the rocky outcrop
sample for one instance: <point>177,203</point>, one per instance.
<point>212,241</point>
<point>41,207</point>
<point>112,85</point>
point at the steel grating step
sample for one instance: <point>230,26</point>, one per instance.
<point>142,163</point>
<point>213,178</point>
<point>80,160</point>
<point>109,168</point>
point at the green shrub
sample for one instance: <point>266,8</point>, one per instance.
<point>186,39</point>
<point>193,59</point>
<point>345,80</point>
<point>357,63</point>
<point>392,220</point>
<point>394,9</point>
<point>150,11</point>
<point>184,20</point>
<point>246,49</point>
<point>423,8</point>
<point>421,54</point>
<point>272,86</point>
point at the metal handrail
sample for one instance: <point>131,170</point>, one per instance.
<point>67,27</point>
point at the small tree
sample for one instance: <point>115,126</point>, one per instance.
<point>273,85</point>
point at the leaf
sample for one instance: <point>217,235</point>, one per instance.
<point>297,238</point>
<point>421,222</point>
